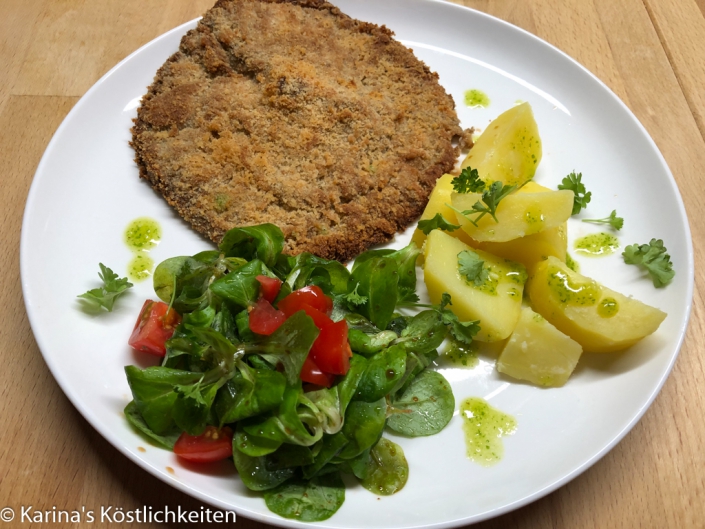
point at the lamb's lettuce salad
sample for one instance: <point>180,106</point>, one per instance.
<point>291,439</point>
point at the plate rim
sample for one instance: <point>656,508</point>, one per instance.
<point>271,518</point>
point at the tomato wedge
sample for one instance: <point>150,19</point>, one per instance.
<point>211,445</point>
<point>310,295</point>
<point>312,374</point>
<point>264,318</point>
<point>269,287</point>
<point>318,317</point>
<point>154,326</point>
<point>331,351</point>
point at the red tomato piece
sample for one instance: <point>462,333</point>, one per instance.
<point>318,317</point>
<point>264,318</point>
<point>310,295</point>
<point>269,287</point>
<point>155,325</point>
<point>331,350</point>
<point>311,373</point>
<point>211,445</point>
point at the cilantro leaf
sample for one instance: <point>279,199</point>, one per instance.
<point>613,220</point>
<point>491,198</point>
<point>574,183</point>
<point>437,222</point>
<point>472,267</point>
<point>468,181</point>
<point>105,296</point>
<point>463,331</point>
<point>654,258</point>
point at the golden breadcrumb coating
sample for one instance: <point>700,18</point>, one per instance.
<point>293,113</point>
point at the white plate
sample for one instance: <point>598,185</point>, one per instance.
<point>87,190</point>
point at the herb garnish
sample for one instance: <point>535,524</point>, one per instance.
<point>574,183</point>
<point>472,267</point>
<point>654,258</point>
<point>105,296</point>
<point>437,222</point>
<point>491,198</point>
<point>468,181</point>
<point>613,220</point>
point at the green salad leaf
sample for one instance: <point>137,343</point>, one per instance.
<point>425,408</point>
<point>314,500</point>
<point>387,470</point>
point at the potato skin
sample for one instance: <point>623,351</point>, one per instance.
<point>598,318</point>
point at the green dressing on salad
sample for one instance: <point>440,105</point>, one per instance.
<point>484,428</point>
<point>461,355</point>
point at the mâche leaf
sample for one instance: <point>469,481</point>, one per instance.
<point>425,408</point>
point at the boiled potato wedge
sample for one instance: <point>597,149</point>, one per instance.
<point>518,214</point>
<point>599,319</point>
<point>437,203</point>
<point>509,149</point>
<point>531,249</point>
<point>538,352</point>
<point>496,302</point>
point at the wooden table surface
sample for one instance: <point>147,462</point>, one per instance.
<point>650,52</point>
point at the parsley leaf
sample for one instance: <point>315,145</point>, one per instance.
<point>437,222</point>
<point>105,296</point>
<point>491,198</point>
<point>353,298</point>
<point>573,183</point>
<point>472,267</point>
<point>654,258</point>
<point>463,331</point>
<point>613,220</point>
<point>468,181</point>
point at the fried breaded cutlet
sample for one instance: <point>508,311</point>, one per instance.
<point>291,112</point>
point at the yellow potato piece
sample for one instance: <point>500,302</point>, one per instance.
<point>440,196</point>
<point>538,352</point>
<point>509,149</point>
<point>518,214</point>
<point>599,319</point>
<point>531,249</point>
<point>496,302</point>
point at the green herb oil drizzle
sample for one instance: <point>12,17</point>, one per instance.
<point>141,236</point>
<point>476,98</point>
<point>597,244</point>
<point>484,428</point>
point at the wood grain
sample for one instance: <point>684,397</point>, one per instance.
<point>651,53</point>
